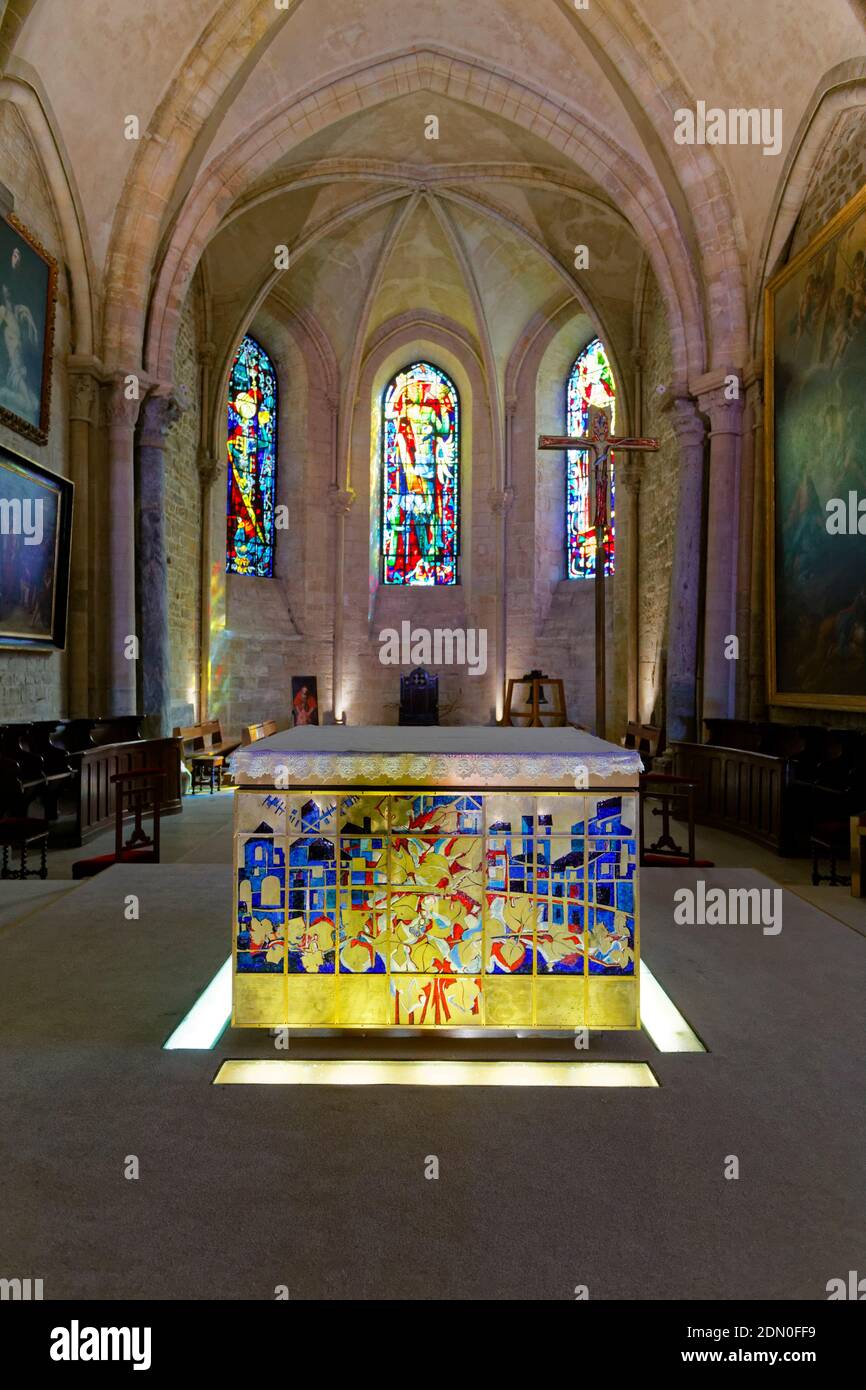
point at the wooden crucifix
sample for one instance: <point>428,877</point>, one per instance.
<point>599,443</point>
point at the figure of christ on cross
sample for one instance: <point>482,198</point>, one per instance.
<point>599,443</point>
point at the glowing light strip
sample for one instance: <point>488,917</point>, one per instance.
<point>208,1016</point>
<point>281,1072</point>
<point>662,1019</point>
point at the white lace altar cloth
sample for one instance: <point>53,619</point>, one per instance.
<point>475,756</point>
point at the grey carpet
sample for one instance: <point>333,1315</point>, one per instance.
<point>242,1189</point>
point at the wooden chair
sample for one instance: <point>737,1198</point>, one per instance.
<point>23,833</point>
<point>138,794</point>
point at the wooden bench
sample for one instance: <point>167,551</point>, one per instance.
<point>251,733</point>
<point>205,750</point>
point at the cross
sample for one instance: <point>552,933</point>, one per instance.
<point>599,443</point>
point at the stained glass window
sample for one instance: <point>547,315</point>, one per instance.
<point>590,383</point>
<point>252,472</point>
<point>420,477</point>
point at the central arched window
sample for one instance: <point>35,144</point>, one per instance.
<point>590,383</point>
<point>252,473</point>
<point>420,538</point>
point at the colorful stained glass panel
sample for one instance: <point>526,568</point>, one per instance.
<point>590,383</point>
<point>420,478</point>
<point>252,463</point>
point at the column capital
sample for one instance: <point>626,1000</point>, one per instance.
<point>208,465</point>
<point>725,415</point>
<point>83,394</point>
<point>340,500</point>
<point>207,354</point>
<point>501,500</point>
<point>160,411</point>
<point>685,420</point>
<point>122,407</point>
<point>628,473</point>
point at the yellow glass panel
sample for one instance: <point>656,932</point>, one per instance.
<point>612,1003</point>
<point>259,1001</point>
<point>362,1001</point>
<point>508,1001</point>
<point>312,1001</point>
<point>559,1001</point>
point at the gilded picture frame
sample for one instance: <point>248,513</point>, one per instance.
<point>28,300</point>
<point>815,469</point>
<point>36,508</point>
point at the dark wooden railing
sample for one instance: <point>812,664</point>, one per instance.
<point>94,807</point>
<point>738,790</point>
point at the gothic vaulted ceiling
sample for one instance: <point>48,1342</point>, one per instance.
<point>419,153</point>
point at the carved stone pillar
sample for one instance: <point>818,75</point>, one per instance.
<point>628,476</point>
<point>159,413</point>
<point>340,501</point>
<point>122,411</point>
<point>501,501</point>
<point>751,479</point>
<point>684,615</point>
<point>83,396</point>
<point>720,606</point>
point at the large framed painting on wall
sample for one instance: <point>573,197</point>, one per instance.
<point>815,398</point>
<point>35,539</point>
<point>28,293</point>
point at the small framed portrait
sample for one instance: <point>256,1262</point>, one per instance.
<point>28,295</point>
<point>35,540</point>
<point>305,700</point>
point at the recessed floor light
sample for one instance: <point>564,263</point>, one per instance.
<point>209,1015</point>
<point>662,1019</point>
<point>281,1072</point>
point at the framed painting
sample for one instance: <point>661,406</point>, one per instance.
<point>305,700</point>
<point>28,294</point>
<point>815,439</point>
<point>35,539</point>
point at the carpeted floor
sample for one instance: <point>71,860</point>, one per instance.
<point>323,1189</point>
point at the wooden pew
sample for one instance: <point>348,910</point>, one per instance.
<point>205,750</point>
<point>858,838</point>
<point>251,733</point>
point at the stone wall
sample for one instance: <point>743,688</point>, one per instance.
<point>33,684</point>
<point>183,527</point>
<point>839,174</point>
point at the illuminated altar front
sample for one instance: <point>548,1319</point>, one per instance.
<point>437,878</point>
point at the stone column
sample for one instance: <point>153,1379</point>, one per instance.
<point>208,472</point>
<point>723,502</point>
<point>501,501</point>
<point>758,592</point>
<point>340,500</point>
<point>628,476</point>
<point>683,614</point>
<point>83,393</point>
<point>122,412</point>
<point>751,476</point>
<point>159,413</point>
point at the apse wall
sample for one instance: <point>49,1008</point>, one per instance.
<point>33,684</point>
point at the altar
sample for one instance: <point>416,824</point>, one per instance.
<point>434,877</point>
